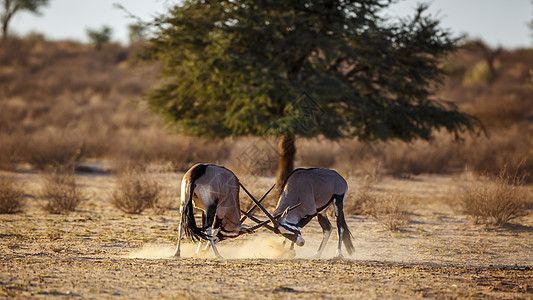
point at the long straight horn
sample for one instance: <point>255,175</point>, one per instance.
<point>255,205</point>
<point>260,223</point>
<point>274,221</point>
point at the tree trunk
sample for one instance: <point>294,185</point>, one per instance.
<point>5,22</point>
<point>286,158</point>
<point>4,29</point>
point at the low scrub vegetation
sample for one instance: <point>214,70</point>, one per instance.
<point>60,193</point>
<point>361,196</point>
<point>135,192</point>
<point>495,202</point>
<point>390,211</point>
<point>11,197</point>
<point>49,117</point>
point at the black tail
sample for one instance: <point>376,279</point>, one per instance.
<point>188,221</point>
<point>341,222</point>
<point>347,236</point>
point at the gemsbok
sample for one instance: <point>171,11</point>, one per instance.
<point>305,194</point>
<point>214,190</point>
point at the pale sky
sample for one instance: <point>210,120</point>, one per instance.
<point>497,22</point>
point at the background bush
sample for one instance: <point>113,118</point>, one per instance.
<point>11,197</point>
<point>390,211</point>
<point>48,116</point>
<point>496,202</point>
<point>60,193</point>
<point>135,192</point>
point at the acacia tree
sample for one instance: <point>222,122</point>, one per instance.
<point>235,68</point>
<point>99,37</point>
<point>11,7</point>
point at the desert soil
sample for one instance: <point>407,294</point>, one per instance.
<point>100,252</point>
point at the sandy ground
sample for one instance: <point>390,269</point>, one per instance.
<point>100,252</point>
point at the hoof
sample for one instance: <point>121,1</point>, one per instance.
<point>339,256</point>
<point>316,256</point>
<point>291,254</point>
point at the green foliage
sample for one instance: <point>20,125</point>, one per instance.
<point>137,32</point>
<point>239,68</point>
<point>481,73</point>
<point>11,7</point>
<point>100,37</point>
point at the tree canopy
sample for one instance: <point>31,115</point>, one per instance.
<point>238,68</point>
<point>11,7</point>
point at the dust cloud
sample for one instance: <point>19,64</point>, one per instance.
<point>263,245</point>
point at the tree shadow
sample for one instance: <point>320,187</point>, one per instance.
<point>512,227</point>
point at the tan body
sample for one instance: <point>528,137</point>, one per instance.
<point>311,192</point>
<point>214,190</point>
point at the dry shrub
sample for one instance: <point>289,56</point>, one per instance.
<point>154,144</point>
<point>60,193</point>
<point>11,197</point>
<point>390,212</point>
<point>316,152</point>
<point>54,150</point>
<point>135,192</point>
<point>8,152</point>
<point>397,158</point>
<point>495,202</point>
<point>361,195</point>
<point>164,202</point>
<point>251,156</point>
<point>402,159</point>
<point>509,152</point>
<point>63,102</point>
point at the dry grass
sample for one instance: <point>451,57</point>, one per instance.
<point>60,193</point>
<point>507,151</point>
<point>496,202</point>
<point>11,197</point>
<point>135,192</point>
<point>390,211</point>
<point>361,193</point>
<point>50,117</point>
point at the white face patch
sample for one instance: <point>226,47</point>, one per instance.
<point>287,225</point>
<point>291,230</point>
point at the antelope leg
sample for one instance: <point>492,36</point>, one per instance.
<point>198,248</point>
<point>210,218</point>
<point>177,253</point>
<point>326,230</point>
<point>209,232</point>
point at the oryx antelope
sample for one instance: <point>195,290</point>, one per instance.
<point>305,194</point>
<point>215,190</point>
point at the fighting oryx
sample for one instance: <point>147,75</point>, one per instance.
<point>305,194</point>
<point>214,190</point>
